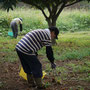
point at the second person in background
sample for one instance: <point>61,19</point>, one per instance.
<point>14,26</point>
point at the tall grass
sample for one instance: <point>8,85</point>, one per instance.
<point>69,20</point>
<point>74,20</point>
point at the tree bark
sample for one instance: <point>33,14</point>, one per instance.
<point>51,23</point>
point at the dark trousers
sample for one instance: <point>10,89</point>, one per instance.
<point>14,27</point>
<point>30,64</point>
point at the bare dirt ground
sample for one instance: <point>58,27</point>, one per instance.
<point>10,79</point>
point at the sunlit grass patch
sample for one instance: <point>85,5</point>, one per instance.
<point>79,68</point>
<point>7,49</point>
<point>77,38</point>
<point>72,46</point>
<point>73,54</point>
<point>9,57</point>
<point>77,87</point>
<point>87,63</point>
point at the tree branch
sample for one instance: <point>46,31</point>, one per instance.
<point>56,7</point>
<point>33,4</point>
<point>44,13</point>
<point>41,10</point>
<point>73,3</point>
<point>60,10</point>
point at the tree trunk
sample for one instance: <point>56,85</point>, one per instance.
<point>52,23</point>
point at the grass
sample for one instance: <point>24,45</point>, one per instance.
<point>71,46</point>
<point>7,49</point>
<point>69,20</point>
<point>74,54</point>
<point>72,49</point>
<point>73,20</point>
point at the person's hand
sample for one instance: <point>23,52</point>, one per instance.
<point>53,65</point>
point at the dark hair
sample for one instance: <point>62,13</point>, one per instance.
<point>55,29</point>
<point>20,19</point>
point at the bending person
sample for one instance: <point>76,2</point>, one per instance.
<point>27,49</point>
<point>14,25</point>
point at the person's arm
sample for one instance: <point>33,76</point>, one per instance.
<point>49,53</point>
<point>50,56</point>
<point>36,54</point>
<point>20,27</point>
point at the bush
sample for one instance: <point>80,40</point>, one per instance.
<point>75,20</point>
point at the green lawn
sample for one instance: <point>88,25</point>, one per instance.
<point>72,55</point>
<point>69,46</point>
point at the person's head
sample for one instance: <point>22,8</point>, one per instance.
<point>20,19</point>
<point>54,32</point>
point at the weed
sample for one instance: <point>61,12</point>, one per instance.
<point>47,84</point>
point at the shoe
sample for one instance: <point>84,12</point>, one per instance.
<point>31,81</point>
<point>39,83</point>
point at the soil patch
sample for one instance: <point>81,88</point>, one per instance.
<point>10,79</point>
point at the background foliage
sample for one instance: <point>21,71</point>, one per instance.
<point>69,20</point>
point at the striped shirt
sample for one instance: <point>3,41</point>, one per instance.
<point>34,41</point>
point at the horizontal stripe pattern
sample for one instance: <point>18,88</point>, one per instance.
<point>34,41</point>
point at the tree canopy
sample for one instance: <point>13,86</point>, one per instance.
<point>54,7</point>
